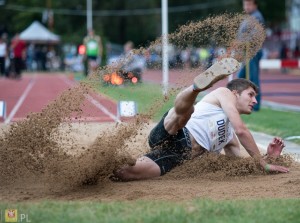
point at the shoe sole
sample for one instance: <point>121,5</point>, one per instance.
<point>216,72</point>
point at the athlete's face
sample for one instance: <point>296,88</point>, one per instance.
<point>249,6</point>
<point>246,100</point>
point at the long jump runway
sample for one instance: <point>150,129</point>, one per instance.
<point>33,92</point>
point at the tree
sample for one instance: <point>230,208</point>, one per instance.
<point>119,20</point>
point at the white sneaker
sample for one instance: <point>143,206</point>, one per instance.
<point>216,72</point>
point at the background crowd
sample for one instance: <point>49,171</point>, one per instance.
<point>16,55</point>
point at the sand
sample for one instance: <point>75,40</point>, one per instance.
<point>192,180</point>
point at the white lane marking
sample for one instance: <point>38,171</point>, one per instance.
<point>21,100</point>
<point>101,107</point>
<point>96,103</point>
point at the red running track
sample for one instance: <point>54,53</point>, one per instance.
<point>33,92</point>
<point>277,87</point>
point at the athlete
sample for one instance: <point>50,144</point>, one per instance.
<point>93,51</point>
<point>213,124</point>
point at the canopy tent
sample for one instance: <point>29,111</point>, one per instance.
<point>37,33</point>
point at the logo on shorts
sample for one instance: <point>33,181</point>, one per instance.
<point>11,215</point>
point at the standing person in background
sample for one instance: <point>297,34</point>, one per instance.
<point>93,51</point>
<point>3,54</point>
<point>30,57</point>
<point>251,8</point>
<point>284,55</point>
<point>297,52</point>
<point>133,63</point>
<point>18,48</point>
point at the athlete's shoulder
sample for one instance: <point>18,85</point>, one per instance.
<point>217,96</point>
<point>222,91</point>
<point>223,95</point>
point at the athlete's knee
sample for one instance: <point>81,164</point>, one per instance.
<point>175,121</point>
<point>124,173</point>
<point>145,168</point>
<point>184,118</point>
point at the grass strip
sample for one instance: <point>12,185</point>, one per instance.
<point>269,210</point>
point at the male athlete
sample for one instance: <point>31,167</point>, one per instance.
<point>93,51</point>
<point>213,124</point>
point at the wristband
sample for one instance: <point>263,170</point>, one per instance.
<point>267,167</point>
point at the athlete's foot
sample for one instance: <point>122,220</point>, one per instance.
<point>216,72</point>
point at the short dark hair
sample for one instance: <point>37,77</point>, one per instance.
<point>241,84</point>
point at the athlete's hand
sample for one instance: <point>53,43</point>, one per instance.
<point>276,168</point>
<point>275,147</point>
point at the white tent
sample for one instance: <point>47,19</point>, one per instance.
<point>37,33</point>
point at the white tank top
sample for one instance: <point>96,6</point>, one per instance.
<point>210,127</point>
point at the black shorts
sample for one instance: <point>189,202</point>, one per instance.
<point>168,151</point>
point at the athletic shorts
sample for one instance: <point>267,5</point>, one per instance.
<point>168,151</point>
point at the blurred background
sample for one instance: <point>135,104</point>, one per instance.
<point>119,21</point>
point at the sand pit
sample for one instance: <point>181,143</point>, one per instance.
<point>185,182</point>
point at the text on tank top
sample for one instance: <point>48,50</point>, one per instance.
<point>210,127</point>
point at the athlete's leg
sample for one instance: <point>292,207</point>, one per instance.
<point>255,77</point>
<point>184,102</point>
<point>167,151</point>
<point>144,168</point>
<point>242,73</point>
<point>183,108</point>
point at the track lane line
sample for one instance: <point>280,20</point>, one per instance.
<point>21,100</point>
<point>101,107</point>
<point>96,103</point>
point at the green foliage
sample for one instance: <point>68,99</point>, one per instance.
<point>70,18</point>
<point>273,210</point>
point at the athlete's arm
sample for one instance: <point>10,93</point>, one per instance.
<point>233,147</point>
<point>227,101</point>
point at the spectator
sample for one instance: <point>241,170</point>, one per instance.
<point>133,62</point>
<point>30,57</point>
<point>251,8</point>
<point>185,57</point>
<point>41,58</point>
<point>297,52</point>
<point>284,55</point>
<point>3,54</point>
<point>18,48</point>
